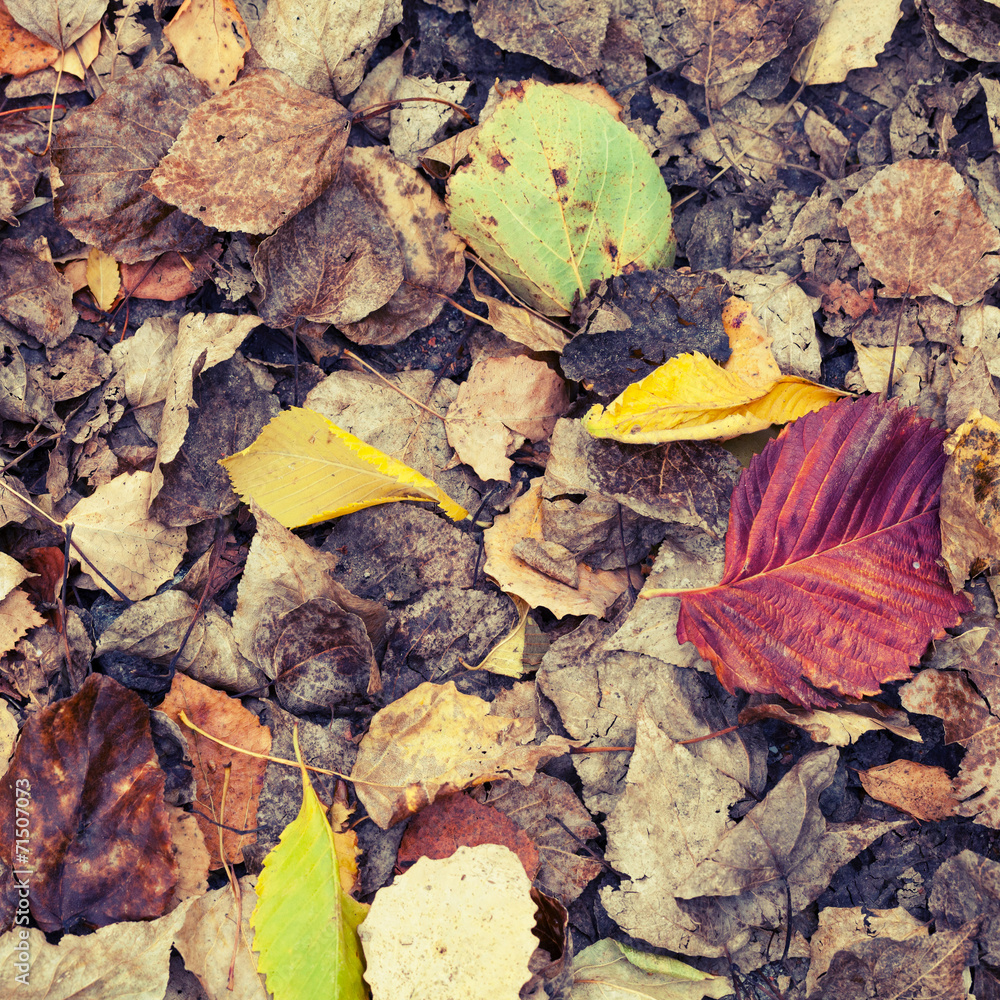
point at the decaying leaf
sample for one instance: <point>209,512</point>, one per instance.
<point>924,792</point>
<point>253,156</point>
<point>690,398</point>
<point>57,22</point>
<point>837,727</point>
<point>435,740</point>
<point>832,553</point>
<point>303,469</point>
<point>86,773</point>
<point>559,194</point>
<point>920,231</point>
<point>970,500</point>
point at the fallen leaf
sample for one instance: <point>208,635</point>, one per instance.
<point>21,168</point>
<point>926,793</point>
<point>838,727</point>
<point>129,958</point>
<point>692,398</point>
<point>833,545</point>
<point>502,403</point>
<point>17,616</point>
<point>434,741</point>
<point>596,591</point>
<point>593,212</point>
<point>459,927</point>
<point>103,278</point>
<point>970,501</point>
<point>210,39</point>
<point>57,22</point>
<point>306,925</point>
<point>507,656</point>
<point>455,821</point>
<point>34,296</point>
<point>303,469</point>
<point>253,156</point>
<point>610,970</point>
<point>967,888</point>
<point>21,52</point>
<point>920,231</point>
<point>105,153</point>
<point>226,719</point>
<point>324,47</point>
<point>523,326</point>
<point>112,529</point>
<point>433,256</point>
<point>86,773</point>
<point>335,262</point>
<point>417,124</point>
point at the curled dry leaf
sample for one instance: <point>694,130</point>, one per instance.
<point>253,156</point>
<point>920,231</point>
<point>832,578</point>
<point>837,727</point>
<point>103,155</point>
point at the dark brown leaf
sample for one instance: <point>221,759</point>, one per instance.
<point>34,296</point>
<point>105,153</point>
<point>253,156</point>
<point>85,778</point>
<point>21,167</point>
<point>832,578</point>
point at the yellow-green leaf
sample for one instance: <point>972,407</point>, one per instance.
<point>103,278</point>
<point>306,926</point>
<point>559,193</point>
<point>303,469</point>
<point>691,398</point>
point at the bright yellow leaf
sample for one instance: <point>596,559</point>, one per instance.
<point>103,278</point>
<point>690,398</point>
<point>303,469</point>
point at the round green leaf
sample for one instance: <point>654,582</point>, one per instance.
<point>558,193</point>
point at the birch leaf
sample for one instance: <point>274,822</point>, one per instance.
<point>303,469</point>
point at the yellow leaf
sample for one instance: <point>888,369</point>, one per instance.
<point>303,469</point>
<point>690,398</point>
<point>103,278</point>
<point>507,656</point>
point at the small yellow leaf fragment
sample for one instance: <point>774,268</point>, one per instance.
<point>211,40</point>
<point>103,278</point>
<point>303,469</point>
<point>751,346</point>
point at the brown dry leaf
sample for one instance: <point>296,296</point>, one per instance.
<point>931,966</point>
<point>521,325</point>
<point>377,87</point>
<point>130,958</point>
<point>596,590</point>
<point>567,34</point>
<point>100,839</point>
<point>565,868</point>
<point>433,256</point>
<point>335,262</point>
<point>103,154</point>
<point>324,46</point>
<point>920,231</point>
<point>203,341</point>
<point>434,741</point>
<point>34,296</point>
<point>967,887</point>
<point>17,616</point>
<point>970,500</point>
<point>252,157</point>
<point>211,40</point>
<point>837,727</point>
<point>21,52</point>
<point>503,403</point>
<point>282,573</point>
<point>841,927</point>
<point>156,627</point>
<point>227,719</point>
<point>21,167</point>
<point>57,22</point>
<point>113,530</point>
<point>171,277</point>
<point>455,821</point>
<point>926,793</point>
<point>143,364</point>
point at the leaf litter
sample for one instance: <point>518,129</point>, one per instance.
<point>837,745</point>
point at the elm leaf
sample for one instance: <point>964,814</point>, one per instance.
<point>559,194</point>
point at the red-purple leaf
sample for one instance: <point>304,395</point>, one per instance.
<point>832,579</point>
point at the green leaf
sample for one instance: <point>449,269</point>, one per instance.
<point>305,924</point>
<point>608,970</point>
<point>303,469</point>
<point>559,193</point>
